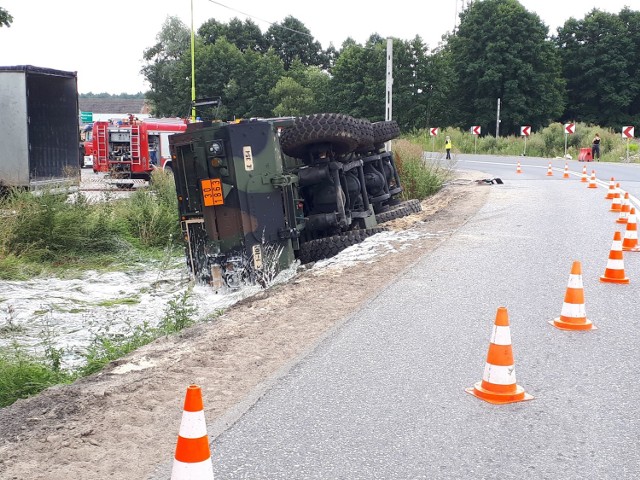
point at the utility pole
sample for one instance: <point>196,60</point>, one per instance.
<point>193,70</point>
<point>498,121</point>
<point>388,111</point>
<point>389,86</point>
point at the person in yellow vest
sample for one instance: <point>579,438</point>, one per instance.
<point>447,146</point>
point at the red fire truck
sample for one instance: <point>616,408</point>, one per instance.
<point>132,148</point>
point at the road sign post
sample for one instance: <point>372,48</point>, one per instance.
<point>525,131</point>
<point>434,133</point>
<point>569,128</point>
<point>628,133</point>
<point>475,131</point>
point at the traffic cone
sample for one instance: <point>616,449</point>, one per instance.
<point>566,171</point>
<point>614,272</point>
<point>518,169</point>
<point>612,189</point>
<point>498,383</point>
<point>549,171</point>
<point>615,203</point>
<point>630,240</point>
<point>625,207</point>
<point>584,174</point>
<point>193,457</point>
<point>573,315</point>
<point>592,180</point>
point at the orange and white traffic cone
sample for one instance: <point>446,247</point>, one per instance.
<point>612,189</point>
<point>625,207</point>
<point>615,203</point>
<point>566,171</point>
<point>592,180</point>
<point>549,171</point>
<point>573,315</point>
<point>584,174</point>
<point>630,240</point>
<point>614,272</point>
<point>193,457</point>
<point>498,383</point>
<point>518,169</point>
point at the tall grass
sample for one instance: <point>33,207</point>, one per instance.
<point>420,177</point>
<point>46,231</point>
<point>23,375</point>
<point>547,143</point>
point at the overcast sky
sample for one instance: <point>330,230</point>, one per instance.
<point>103,40</point>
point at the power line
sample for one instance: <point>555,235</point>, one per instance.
<point>273,24</point>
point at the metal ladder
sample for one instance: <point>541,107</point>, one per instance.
<point>102,152</point>
<point>135,144</point>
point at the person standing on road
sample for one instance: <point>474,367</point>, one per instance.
<point>595,147</point>
<point>447,146</point>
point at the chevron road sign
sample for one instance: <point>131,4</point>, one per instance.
<point>434,131</point>
<point>569,128</point>
<point>525,130</point>
<point>475,130</point>
<point>627,132</point>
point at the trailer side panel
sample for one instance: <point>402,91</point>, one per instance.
<point>14,140</point>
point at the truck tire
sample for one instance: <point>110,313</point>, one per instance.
<point>365,143</point>
<point>385,131</point>
<point>401,210</point>
<point>327,247</point>
<point>341,131</point>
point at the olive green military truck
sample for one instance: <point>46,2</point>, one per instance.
<point>255,195</point>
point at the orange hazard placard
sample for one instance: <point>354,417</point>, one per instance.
<point>212,192</point>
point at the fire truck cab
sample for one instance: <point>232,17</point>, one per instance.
<point>133,148</point>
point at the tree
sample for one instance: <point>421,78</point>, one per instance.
<point>437,80</point>
<point>410,83</point>
<point>217,66</point>
<point>305,90</point>
<point>245,36</point>
<point>502,51</point>
<point>291,98</point>
<point>291,39</point>
<point>631,19</point>
<point>599,55</point>
<point>168,70</point>
<point>5,18</point>
<point>258,75</point>
<point>358,81</point>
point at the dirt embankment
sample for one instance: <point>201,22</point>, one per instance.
<point>123,422</point>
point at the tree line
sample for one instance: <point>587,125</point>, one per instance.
<point>587,71</point>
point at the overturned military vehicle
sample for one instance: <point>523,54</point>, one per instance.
<point>255,195</point>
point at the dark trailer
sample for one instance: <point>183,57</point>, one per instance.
<point>39,136</point>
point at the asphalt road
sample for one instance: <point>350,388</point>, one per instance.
<point>383,398</point>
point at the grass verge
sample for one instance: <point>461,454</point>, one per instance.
<point>548,143</point>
